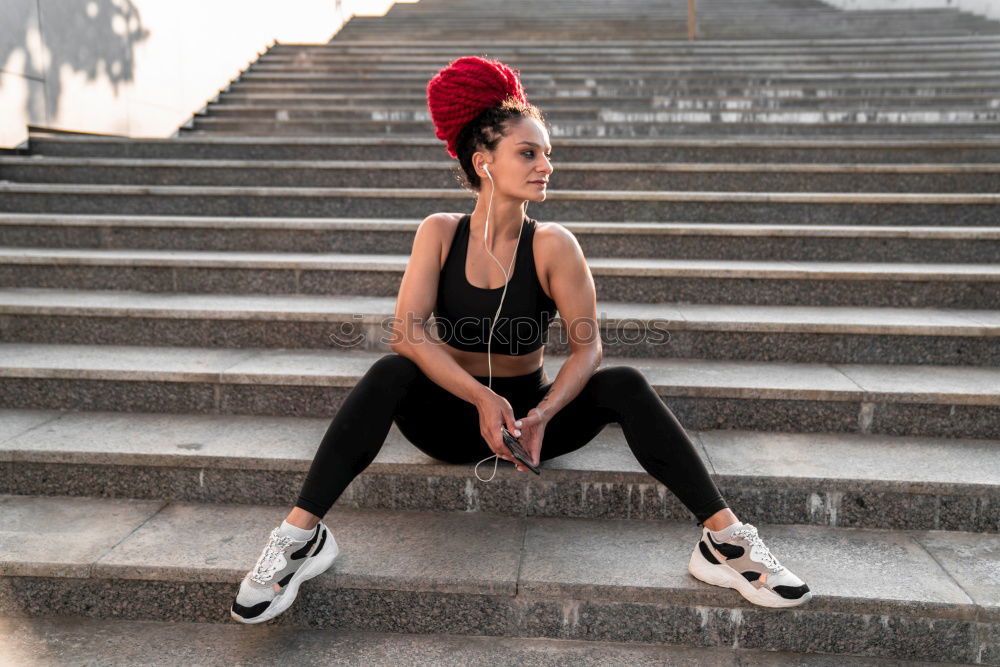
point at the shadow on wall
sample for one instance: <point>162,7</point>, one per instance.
<point>92,37</point>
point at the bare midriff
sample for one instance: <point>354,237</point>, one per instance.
<point>504,365</point>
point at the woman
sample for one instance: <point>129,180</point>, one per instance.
<point>439,390</point>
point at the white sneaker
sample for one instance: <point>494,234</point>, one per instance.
<point>743,562</point>
<point>273,584</point>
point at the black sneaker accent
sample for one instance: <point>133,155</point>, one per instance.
<point>751,575</point>
<point>288,577</point>
<point>321,543</point>
<point>251,612</point>
<point>707,553</point>
<point>727,550</point>
<point>301,553</point>
<point>791,592</point>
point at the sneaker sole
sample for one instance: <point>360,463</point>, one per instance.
<point>316,566</point>
<point>727,577</point>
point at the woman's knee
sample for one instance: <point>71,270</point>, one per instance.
<point>619,387</point>
<point>620,377</point>
<point>394,367</point>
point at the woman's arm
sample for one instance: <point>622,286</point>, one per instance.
<point>572,288</point>
<point>411,338</point>
<point>417,296</point>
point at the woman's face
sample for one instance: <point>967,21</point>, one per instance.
<point>520,165</point>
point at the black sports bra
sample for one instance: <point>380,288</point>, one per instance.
<point>463,312</point>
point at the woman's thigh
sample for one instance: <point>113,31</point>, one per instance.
<point>440,424</point>
<point>446,427</point>
<point>579,421</point>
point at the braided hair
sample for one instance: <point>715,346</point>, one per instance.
<point>470,102</point>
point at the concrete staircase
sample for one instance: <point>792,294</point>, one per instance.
<point>806,204</point>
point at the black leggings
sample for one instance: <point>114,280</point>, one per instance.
<point>446,428</point>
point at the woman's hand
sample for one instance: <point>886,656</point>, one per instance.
<point>532,427</point>
<point>494,412</point>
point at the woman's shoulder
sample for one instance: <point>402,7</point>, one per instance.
<point>554,239</point>
<point>443,225</point>
<point>443,220</point>
<point>555,249</point>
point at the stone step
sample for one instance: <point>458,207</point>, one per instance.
<point>405,45</point>
<point>770,11</point>
<point>955,209</point>
<point>961,178</point>
<point>561,115</point>
<point>555,87</point>
<point>267,92</point>
<point>637,280</point>
<point>600,55</point>
<point>312,104</point>
<point>641,13</point>
<point>675,30</point>
<point>900,594</point>
<point>809,150</point>
<point>678,11</point>
<point>826,21</point>
<point>678,7</point>
<point>422,18</point>
<point>101,641</point>
<point>703,123</point>
<point>747,333</point>
<point>927,19</point>
<point>945,23</point>
<point>614,58</point>
<point>560,27</point>
<point>980,81</point>
<point>711,25</point>
<point>690,67</point>
<point>614,94</point>
<point>914,400</point>
<point>663,240</point>
<point>825,479</point>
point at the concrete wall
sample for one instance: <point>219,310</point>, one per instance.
<point>986,8</point>
<point>141,67</point>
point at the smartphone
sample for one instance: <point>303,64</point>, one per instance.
<point>515,448</point>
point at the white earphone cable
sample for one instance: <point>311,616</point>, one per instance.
<point>489,339</point>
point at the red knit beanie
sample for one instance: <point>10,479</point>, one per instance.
<point>462,90</point>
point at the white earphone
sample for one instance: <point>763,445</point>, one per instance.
<point>493,323</point>
<point>506,274</point>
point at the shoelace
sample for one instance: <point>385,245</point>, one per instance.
<point>267,563</point>
<point>749,533</point>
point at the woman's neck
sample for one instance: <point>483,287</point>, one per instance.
<point>505,220</point>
